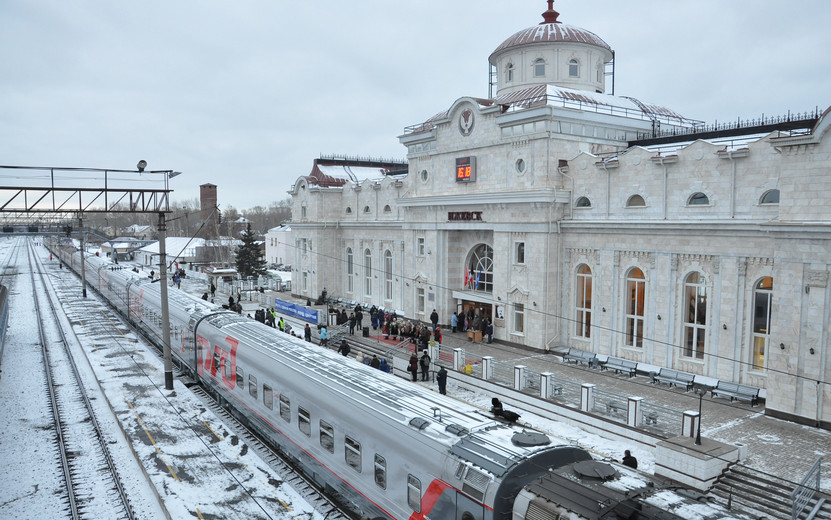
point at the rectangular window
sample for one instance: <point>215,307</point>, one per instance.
<point>304,421</point>
<point>414,493</point>
<point>327,437</point>
<point>217,367</point>
<point>285,408</point>
<point>303,245</point>
<point>303,211</point>
<point>240,378</point>
<point>519,318</point>
<point>519,253</point>
<point>635,312</point>
<point>380,471</point>
<point>420,247</point>
<point>252,386</point>
<point>419,301</point>
<point>352,453</point>
<point>268,397</point>
<point>583,305</point>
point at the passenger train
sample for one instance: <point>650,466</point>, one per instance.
<point>384,447</point>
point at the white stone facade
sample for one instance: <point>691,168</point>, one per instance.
<point>710,257</point>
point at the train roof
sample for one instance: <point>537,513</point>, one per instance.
<point>463,429</point>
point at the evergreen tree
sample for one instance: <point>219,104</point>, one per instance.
<point>249,260</point>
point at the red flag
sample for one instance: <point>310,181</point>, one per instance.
<point>467,277</point>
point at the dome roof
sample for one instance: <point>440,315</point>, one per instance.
<point>550,30</point>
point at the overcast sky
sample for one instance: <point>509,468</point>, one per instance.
<point>246,94</point>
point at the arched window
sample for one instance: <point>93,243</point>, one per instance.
<point>770,197</point>
<point>387,209</point>
<point>509,73</point>
<point>366,209</point>
<point>350,270</point>
<point>635,201</point>
<point>539,68</point>
<point>388,275</point>
<point>480,268</point>
<point>695,316</point>
<point>584,202</point>
<point>761,321</point>
<point>698,199</point>
<point>348,210</point>
<point>368,272</point>
<point>583,303</point>
<point>573,68</point>
<point>635,296</point>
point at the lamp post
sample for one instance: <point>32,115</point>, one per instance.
<point>701,391</point>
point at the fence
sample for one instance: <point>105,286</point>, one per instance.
<point>804,492</point>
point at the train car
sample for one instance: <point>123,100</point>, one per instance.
<point>384,447</point>
<point>4,318</point>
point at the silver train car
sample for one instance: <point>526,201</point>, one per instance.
<point>383,447</point>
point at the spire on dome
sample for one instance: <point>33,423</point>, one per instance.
<point>550,16</point>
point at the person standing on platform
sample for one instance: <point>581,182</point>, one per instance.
<point>414,366</point>
<point>307,333</point>
<point>489,331</point>
<point>324,336</point>
<point>437,335</point>
<point>425,366</point>
<point>454,322</point>
<point>629,460</point>
<point>352,321</point>
<point>441,379</point>
<point>434,319</point>
<point>359,317</point>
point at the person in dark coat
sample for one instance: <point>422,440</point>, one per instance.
<point>344,348</point>
<point>434,319</point>
<point>425,366</point>
<point>375,362</point>
<point>441,379</point>
<point>352,321</point>
<point>437,335</point>
<point>629,460</point>
<point>384,367</point>
<point>307,333</point>
<point>205,296</point>
<point>414,366</point>
<point>359,317</point>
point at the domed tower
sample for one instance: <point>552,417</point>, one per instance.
<point>551,53</point>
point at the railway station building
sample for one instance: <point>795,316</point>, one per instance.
<point>573,217</point>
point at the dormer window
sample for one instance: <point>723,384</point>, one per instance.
<point>573,68</point>
<point>539,68</point>
<point>509,73</point>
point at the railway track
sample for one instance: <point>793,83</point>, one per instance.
<point>93,487</point>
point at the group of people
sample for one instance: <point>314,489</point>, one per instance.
<point>374,362</point>
<point>424,364</point>
<point>472,321</point>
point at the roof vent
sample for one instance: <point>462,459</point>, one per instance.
<point>528,439</point>
<point>455,429</point>
<point>594,469</point>
<point>418,423</point>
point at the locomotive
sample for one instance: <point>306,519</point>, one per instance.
<point>383,447</point>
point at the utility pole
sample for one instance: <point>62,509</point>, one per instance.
<point>168,363</point>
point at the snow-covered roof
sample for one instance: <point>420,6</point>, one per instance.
<point>283,228</point>
<point>551,33</point>
<point>176,246</point>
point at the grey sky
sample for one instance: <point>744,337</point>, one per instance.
<point>245,95</point>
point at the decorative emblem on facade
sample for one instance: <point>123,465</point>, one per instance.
<point>466,122</point>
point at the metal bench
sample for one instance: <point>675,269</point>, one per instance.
<point>581,356</point>
<point>674,377</point>
<point>736,391</point>
<point>620,365</point>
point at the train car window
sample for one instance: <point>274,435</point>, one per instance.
<point>252,386</point>
<point>240,378</point>
<point>380,471</point>
<point>353,453</point>
<point>227,370</point>
<point>285,408</point>
<point>304,421</point>
<point>217,368</point>
<point>268,397</point>
<point>327,437</point>
<point>414,493</point>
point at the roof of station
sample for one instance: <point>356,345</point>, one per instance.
<point>335,172</point>
<point>551,30</point>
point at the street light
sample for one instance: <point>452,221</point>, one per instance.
<point>701,390</point>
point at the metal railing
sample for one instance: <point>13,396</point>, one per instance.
<point>804,492</point>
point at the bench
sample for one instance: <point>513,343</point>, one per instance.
<point>674,377</point>
<point>581,356</point>
<point>620,365</point>
<point>615,407</point>
<point>736,391</point>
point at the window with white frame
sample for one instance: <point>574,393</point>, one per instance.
<point>420,300</point>
<point>539,68</point>
<point>368,272</point>
<point>420,246</point>
<point>635,293</point>
<point>480,267</point>
<point>388,275</point>
<point>414,493</point>
<point>519,252</point>
<point>583,302</point>
<point>509,73</point>
<point>519,318</point>
<point>303,211</point>
<point>573,68</point>
<point>761,322</point>
<point>350,270</point>
<point>695,316</point>
<point>352,453</point>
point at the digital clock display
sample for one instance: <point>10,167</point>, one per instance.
<point>466,169</point>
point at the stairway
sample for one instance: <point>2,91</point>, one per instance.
<point>749,490</point>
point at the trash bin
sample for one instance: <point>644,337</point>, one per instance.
<point>366,332</point>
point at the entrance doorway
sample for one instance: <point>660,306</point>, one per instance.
<point>472,309</point>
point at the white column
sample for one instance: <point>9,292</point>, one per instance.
<point>458,359</point>
<point>633,411</point>
<point>587,397</point>
<point>689,424</point>
<point>519,376</point>
<point>487,367</point>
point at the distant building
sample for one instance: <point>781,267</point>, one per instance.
<point>279,246</point>
<point>140,232</point>
<point>179,252</point>
<point>576,218</point>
